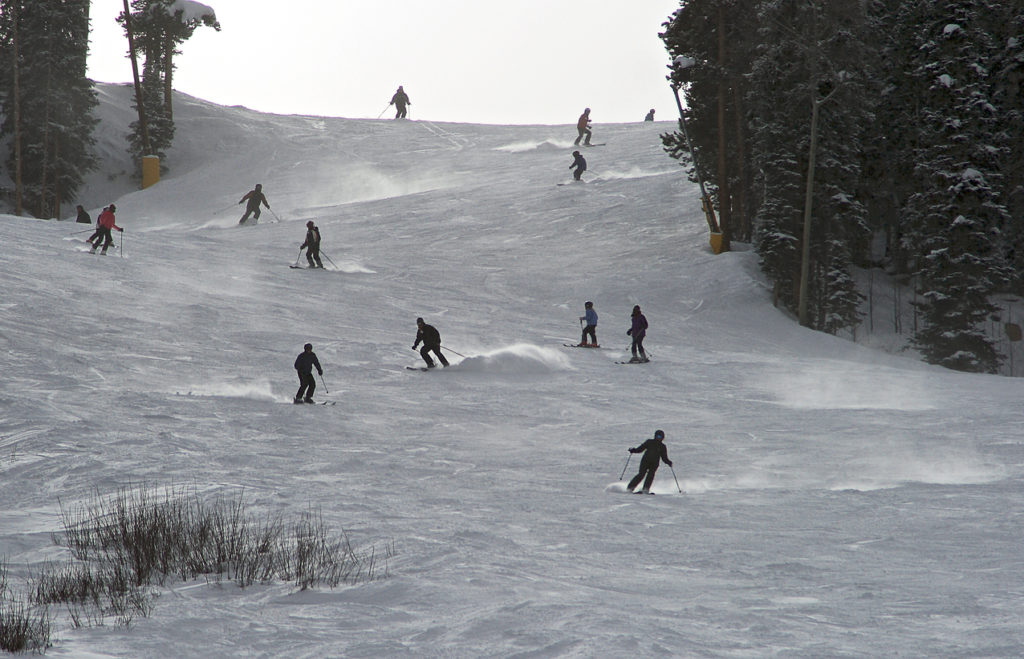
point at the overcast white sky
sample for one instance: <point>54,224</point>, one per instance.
<point>481,61</point>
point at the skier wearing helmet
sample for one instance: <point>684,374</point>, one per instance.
<point>654,454</point>
<point>312,245</point>
<point>590,317</point>
<point>304,364</point>
<point>638,330</point>
<point>579,165</point>
<point>583,127</point>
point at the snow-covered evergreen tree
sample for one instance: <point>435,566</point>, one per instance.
<point>719,38</point>
<point>808,54</point>
<point>159,27</point>
<point>957,214</point>
<point>57,101</point>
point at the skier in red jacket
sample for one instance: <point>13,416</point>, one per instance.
<point>106,222</point>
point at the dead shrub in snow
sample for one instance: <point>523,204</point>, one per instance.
<point>22,628</point>
<point>153,536</point>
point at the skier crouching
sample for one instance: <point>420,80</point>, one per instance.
<point>431,339</point>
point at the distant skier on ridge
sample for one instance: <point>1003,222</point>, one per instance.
<point>431,339</point>
<point>579,165</point>
<point>255,197</point>
<point>400,100</point>
<point>650,115</point>
<point>654,454</point>
<point>583,127</point>
<point>312,245</point>
<point>304,364</point>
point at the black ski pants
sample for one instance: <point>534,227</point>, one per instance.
<point>425,354</point>
<point>103,237</point>
<point>251,210</point>
<point>592,331</point>
<point>307,385</point>
<point>313,256</point>
<point>648,469</point>
<point>638,344</point>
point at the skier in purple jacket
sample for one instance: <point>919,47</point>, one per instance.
<point>638,331</point>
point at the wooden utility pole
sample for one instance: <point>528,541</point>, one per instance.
<point>135,73</point>
<point>17,113</point>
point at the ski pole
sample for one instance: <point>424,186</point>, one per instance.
<point>676,479</point>
<point>457,353</point>
<point>298,256</point>
<point>324,254</point>
<point>383,111</point>
<point>623,474</point>
<point>327,392</point>
<point>122,244</point>
<point>82,231</point>
<point>274,214</point>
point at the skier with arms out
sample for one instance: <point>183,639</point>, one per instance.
<point>654,454</point>
<point>312,245</point>
<point>304,364</point>
<point>590,317</point>
<point>431,339</point>
<point>255,197</point>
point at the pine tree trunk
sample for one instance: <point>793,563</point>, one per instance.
<point>168,68</point>
<point>724,201</point>
<point>135,73</point>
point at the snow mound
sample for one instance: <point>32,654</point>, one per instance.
<point>518,359</point>
<point>519,147</point>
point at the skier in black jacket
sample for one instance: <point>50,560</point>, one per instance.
<point>400,100</point>
<point>312,245</point>
<point>304,364</point>
<point>579,165</point>
<point>431,339</point>
<point>255,197</point>
<point>654,454</point>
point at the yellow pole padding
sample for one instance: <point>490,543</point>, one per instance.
<point>150,171</point>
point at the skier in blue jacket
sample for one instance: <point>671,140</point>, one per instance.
<point>590,317</point>
<point>654,454</point>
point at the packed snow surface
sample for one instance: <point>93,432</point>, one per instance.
<point>831,501</point>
